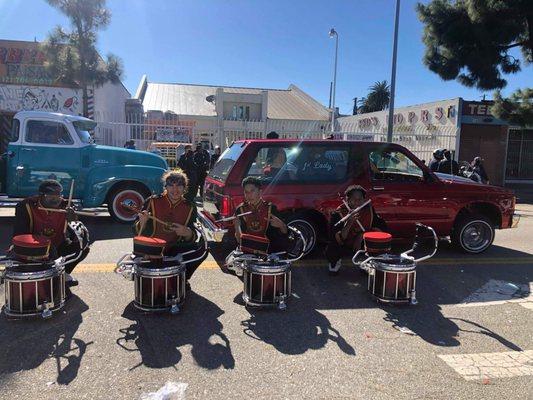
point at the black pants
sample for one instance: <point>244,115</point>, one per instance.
<point>67,248</point>
<point>198,248</point>
<point>201,181</point>
<point>192,190</point>
<point>334,251</point>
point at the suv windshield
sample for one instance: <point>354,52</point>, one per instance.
<point>226,161</point>
<point>83,128</point>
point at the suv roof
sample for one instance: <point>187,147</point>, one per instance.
<point>313,141</point>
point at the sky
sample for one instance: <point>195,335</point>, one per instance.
<point>262,44</point>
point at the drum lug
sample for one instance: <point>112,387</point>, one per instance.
<point>47,313</point>
<point>282,305</point>
<point>413,300</point>
<point>174,308</point>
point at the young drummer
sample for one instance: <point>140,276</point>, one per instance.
<point>179,216</point>
<point>346,238</point>
<point>263,220</point>
<point>31,218</point>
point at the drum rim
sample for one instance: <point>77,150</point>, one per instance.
<point>277,268</point>
<point>392,267</point>
<point>50,272</point>
<point>142,307</point>
<point>6,310</point>
<point>170,271</point>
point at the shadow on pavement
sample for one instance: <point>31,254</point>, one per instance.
<point>294,331</point>
<point>159,336</point>
<point>26,344</point>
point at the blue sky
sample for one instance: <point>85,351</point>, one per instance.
<point>268,44</point>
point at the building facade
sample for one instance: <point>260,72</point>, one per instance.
<point>25,84</point>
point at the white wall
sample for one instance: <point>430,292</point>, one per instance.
<point>109,101</point>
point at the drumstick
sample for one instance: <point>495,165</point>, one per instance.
<point>61,210</point>
<point>148,215</point>
<point>233,217</point>
<point>69,202</point>
<point>355,210</point>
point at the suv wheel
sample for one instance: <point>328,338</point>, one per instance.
<point>127,194</point>
<point>308,229</point>
<point>473,234</point>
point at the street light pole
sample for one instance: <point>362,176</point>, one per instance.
<point>393,74</point>
<point>333,33</point>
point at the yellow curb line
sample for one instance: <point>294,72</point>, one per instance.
<point>211,264</point>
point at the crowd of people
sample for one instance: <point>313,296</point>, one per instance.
<point>443,162</point>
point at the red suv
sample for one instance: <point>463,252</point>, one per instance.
<point>305,178</point>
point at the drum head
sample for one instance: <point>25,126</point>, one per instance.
<point>393,262</point>
<point>267,267</point>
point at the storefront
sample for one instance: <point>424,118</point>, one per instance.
<point>466,128</point>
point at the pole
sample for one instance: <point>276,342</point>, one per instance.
<point>330,89</point>
<point>393,74</point>
<point>334,83</point>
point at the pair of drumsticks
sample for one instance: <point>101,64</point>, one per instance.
<point>69,203</point>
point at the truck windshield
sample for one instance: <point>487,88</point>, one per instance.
<point>83,129</point>
<point>226,161</point>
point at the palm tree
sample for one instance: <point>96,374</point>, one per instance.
<point>378,98</point>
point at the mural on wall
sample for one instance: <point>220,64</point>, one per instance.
<point>17,98</point>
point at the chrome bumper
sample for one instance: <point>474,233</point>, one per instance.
<point>211,230</point>
<point>515,219</point>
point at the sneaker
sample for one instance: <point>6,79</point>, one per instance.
<point>334,269</point>
<point>70,281</point>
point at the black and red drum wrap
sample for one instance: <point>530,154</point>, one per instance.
<point>148,246</point>
<point>31,247</point>
<point>377,242</point>
<point>254,244</point>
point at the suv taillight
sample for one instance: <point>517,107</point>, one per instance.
<point>225,207</point>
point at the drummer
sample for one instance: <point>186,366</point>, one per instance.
<point>347,237</point>
<point>264,220</point>
<point>30,218</point>
<point>178,213</point>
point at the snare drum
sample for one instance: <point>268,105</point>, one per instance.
<point>159,287</point>
<point>34,289</point>
<point>254,244</point>
<point>392,279</point>
<point>266,283</point>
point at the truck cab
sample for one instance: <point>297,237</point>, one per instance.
<point>47,145</point>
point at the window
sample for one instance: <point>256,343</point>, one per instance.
<point>386,165</point>
<point>302,164</point>
<point>226,161</point>
<point>47,132</point>
<point>15,126</point>
<point>241,112</point>
<point>83,129</point>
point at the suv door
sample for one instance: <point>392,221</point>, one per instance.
<point>404,192</point>
<point>48,151</point>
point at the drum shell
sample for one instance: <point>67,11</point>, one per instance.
<point>158,287</point>
<point>266,284</point>
<point>27,292</point>
<point>392,279</point>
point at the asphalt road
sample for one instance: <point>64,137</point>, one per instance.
<point>333,341</point>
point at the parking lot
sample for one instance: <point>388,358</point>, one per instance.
<point>469,336</point>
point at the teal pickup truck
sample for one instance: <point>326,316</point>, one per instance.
<point>56,146</point>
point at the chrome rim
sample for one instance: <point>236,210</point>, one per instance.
<point>476,236</point>
<point>307,231</point>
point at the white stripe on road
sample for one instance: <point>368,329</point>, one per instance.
<point>484,366</point>
<point>496,292</point>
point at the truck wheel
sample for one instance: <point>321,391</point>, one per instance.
<point>308,229</point>
<point>133,195</point>
<point>473,234</point>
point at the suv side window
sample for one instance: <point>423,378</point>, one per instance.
<point>273,162</point>
<point>393,166</point>
<point>47,132</point>
<point>304,163</point>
